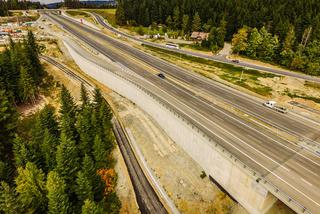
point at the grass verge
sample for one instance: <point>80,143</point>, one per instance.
<point>108,14</point>
<point>303,96</point>
<point>220,65</point>
<point>197,47</point>
<point>77,13</point>
<point>229,73</point>
<point>312,84</point>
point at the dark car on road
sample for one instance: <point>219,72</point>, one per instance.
<point>161,75</point>
<point>236,61</point>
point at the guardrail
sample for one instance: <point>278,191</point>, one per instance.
<point>190,122</point>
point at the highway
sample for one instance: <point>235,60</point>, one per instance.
<point>147,199</point>
<point>293,170</point>
<point>215,58</point>
<point>288,123</point>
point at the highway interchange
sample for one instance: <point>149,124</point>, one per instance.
<point>292,169</point>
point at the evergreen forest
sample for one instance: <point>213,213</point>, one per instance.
<point>54,161</point>
<point>6,5</point>
<point>285,32</point>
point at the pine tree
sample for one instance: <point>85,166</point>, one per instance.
<point>45,121</point>
<point>9,203</point>
<point>99,152</point>
<point>120,14</point>
<point>31,188</point>
<point>48,120</point>
<point>97,98</point>
<point>84,96</point>
<point>17,60</point>
<point>213,39</point>
<point>89,170</point>
<point>84,189</point>
<point>68,114</point>
<point>27,87</point>
<point>20,152</point>
<point>185,24</point>
<point>222,31</point>
<point>196,23</point>
<point>67,159</point>
<point>48,150</point>
<point>8,76</point>
<point>169,22</point>
<point>90,207</point>
<point>86,130</point>
<point>58,201</point>
<point>32,55</point>
<point>105,116</point>
<point>176,18</point>
<point>8,124</point>
<point>7,170</point>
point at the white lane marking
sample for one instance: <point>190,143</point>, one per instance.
<point>307,182</point>
<point>200,78</point>
<point>312,172</point>
<point>285,168</point>
<point>250,127</point>
<point>240,149</point>
<point>247,99</point>
<point>281,144</point>
<point>226,141</point>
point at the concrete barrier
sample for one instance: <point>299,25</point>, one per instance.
<point>236,178</point>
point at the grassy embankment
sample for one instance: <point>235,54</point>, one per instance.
<point>195,46</point>
<point>108,14</point>
<point>81,15</point>
<point>230,73</point>
<point>15,13</point>
<point>303,95</point>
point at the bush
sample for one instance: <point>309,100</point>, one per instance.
<point>203,174</point>
<point>140,31</point>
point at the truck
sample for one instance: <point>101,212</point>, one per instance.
<point>273,105</point>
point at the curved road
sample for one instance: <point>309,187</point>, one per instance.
<point>215,58</point>
<point>292,169</point>
<point>288,123</point>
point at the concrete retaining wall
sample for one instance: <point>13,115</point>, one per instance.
<point>225,169</point>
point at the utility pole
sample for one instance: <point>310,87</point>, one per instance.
<point>306,36</point>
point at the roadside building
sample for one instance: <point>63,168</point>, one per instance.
<point>199,36</point>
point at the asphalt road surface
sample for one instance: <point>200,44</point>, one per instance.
<point>296,126</point>
<point>292,169</point>
<point>216,58</point>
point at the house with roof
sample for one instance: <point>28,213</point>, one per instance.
<point>199,36</point>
